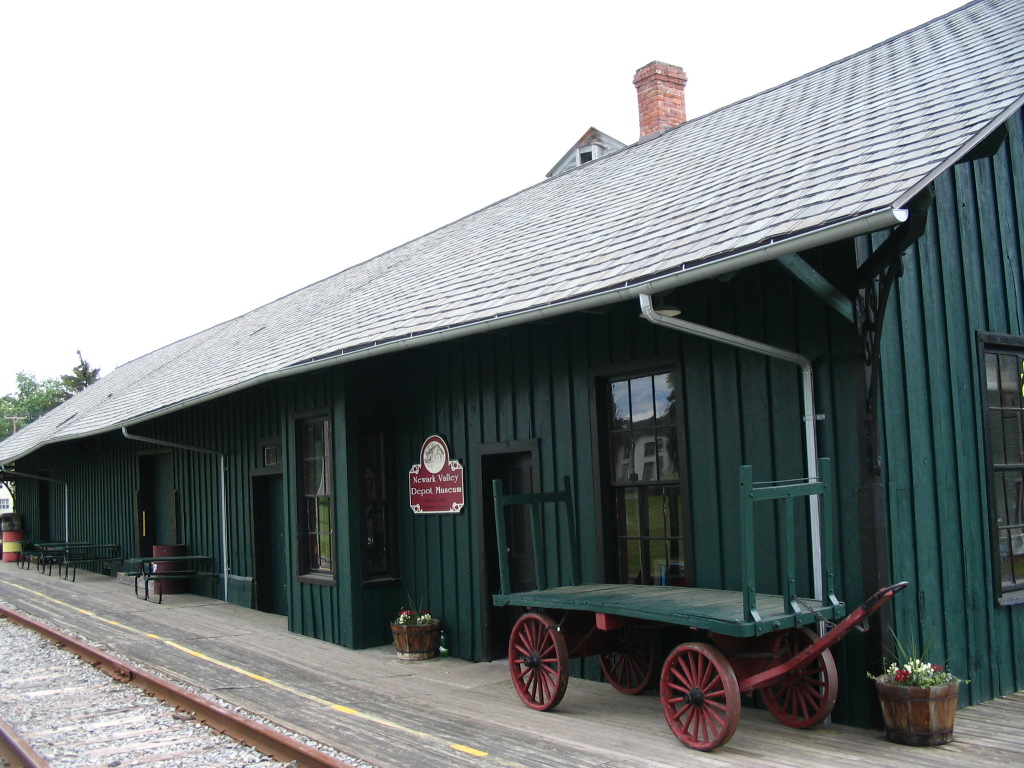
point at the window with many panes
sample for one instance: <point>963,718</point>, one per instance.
<point>641,429</point>
<point>1003,358</point>
<point>316,497</point>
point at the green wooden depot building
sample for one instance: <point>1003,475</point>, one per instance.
<point>829,268</point>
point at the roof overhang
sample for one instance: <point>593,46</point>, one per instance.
<point>688,273</point>
<point>685,274</point>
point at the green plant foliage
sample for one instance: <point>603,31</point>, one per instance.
<point>32,397</point>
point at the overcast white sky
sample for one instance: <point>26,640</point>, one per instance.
<point>165,166</point>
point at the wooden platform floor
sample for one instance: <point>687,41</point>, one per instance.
<point>446,712</point>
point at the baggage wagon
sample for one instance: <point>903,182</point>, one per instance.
<point>747,641</point>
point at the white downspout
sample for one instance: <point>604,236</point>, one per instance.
<point>223,494</point>
<point>810,416</point>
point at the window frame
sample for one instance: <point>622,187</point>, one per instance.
<point>271,454</point>
<point>989,343</point>
<point>306,573</point>
<point>607,485</point>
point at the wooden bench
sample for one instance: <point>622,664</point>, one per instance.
<point>189,568</point>
<point>69,556</point>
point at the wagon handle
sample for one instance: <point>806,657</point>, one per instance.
<point>861,613</point>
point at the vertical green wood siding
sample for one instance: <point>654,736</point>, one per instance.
<point>319,610</point>
<point>964,276</point>
<point>536,381</point>
<point>103,475</point>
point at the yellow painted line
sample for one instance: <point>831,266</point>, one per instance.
<point>281,686</point>
<point>468,750</point>
<point>84,611</point>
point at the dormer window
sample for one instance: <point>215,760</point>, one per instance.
<point>592,145</point>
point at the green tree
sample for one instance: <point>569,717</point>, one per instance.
<point>81,376</point>
<point>33,398</point>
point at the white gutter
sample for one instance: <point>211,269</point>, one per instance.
<point>860,225</point>
<point>67,535</point>
<point>223,494</point>
<point>810,415</point>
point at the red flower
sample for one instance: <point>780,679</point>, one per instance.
<point>902,676</point>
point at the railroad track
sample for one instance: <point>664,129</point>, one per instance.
<point>64,712</point>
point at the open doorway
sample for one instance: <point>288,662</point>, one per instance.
<point>516,464</point>
<point>270,543</point>
<point>47,530</point>
<point>156,503</point>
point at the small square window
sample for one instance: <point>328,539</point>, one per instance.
<point>271,453</point>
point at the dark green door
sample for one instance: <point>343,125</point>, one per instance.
<point>157,522</point>
<point>46,531</point>
<point>270,548</point>
<point>516,470</point>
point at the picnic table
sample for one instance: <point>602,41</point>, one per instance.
<point>30,547</point>
<point>69,556</point>
<point>186,567</point>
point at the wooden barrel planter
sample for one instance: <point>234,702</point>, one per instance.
<point>918,717</point>
<point>417,641</point>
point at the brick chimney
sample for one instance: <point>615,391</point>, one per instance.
<point>659,94</point>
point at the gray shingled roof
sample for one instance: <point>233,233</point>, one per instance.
<point>863,134</point>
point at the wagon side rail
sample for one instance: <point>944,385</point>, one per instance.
<point>537,503</point>
<point>788,493</point>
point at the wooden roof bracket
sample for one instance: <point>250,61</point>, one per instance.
<point>818,284</point>
<point>874,280</point>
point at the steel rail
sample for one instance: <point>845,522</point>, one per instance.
<point>17,752</point>
<point>263,738</point>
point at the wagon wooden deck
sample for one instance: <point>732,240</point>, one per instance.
<point>717,610</point>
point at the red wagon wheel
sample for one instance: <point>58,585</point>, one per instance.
<point>700,696</point>
<point>538,660</point>
<point>629,667</point>
<point>807,695</point>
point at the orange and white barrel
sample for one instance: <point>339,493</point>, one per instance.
<point>12,546</point>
